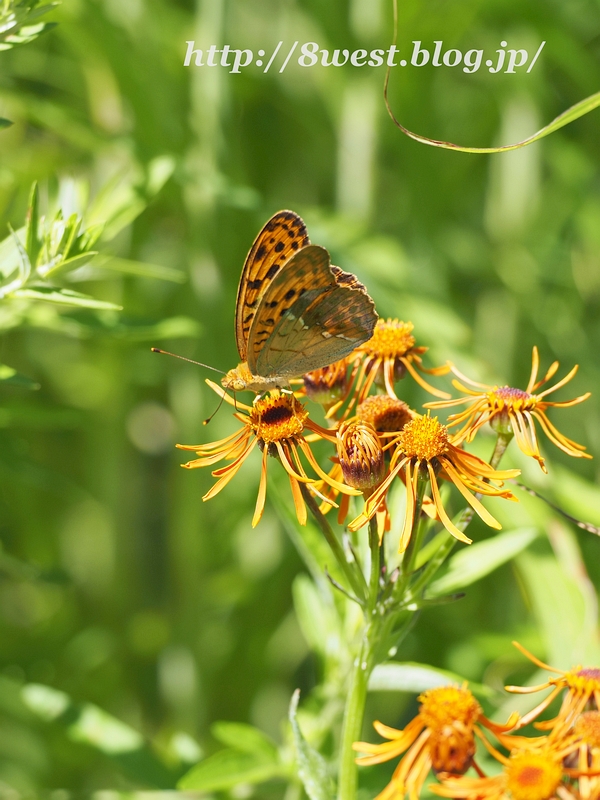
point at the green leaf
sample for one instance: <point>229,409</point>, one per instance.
<point>578,496</point>
<point>5,123</point>
<point>101,730</point>
<point>66,297</point>
<point>24,262</point>
<point>68,265</point>
<point>244,737</point>
<point>312,767</point>
<point>94,727</point>
<point>227,769</point>
<point>11,376</point>
<point>572,113</point>
<point>32,241</point>
<point>170,328</point>
<point>563,600</point>
<point>478,560</point>
<point>160,170</point>
<point>46,702</point>
<point>395,676</point>
<point>16,18</point>
<point>9,254</point>
<point>310,613</point>
<point>141,268</point>
<point>429,602</point>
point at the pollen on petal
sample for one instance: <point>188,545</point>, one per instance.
<point>391,338</point>
<point>424,438</point>
<point>532,776</point>
<point>277,417</point>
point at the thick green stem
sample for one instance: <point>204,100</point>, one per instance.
<point>353,720</point>
<point>361,669</point>
<point>352,572</point>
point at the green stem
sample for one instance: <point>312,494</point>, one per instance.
<point>416,534</point>
<point>354,711</point>
<point>353,720</point>
<point>502,443</point>
<point>375,565</point>
<point>352,572</point>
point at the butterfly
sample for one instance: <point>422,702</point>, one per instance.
<point>295,311</point>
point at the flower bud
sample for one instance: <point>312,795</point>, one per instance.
<point>360,455</point>
<point>327,385</point>
<point>385,414</point>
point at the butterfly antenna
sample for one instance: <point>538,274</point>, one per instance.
<point>189,360</point>
<point>215,412</point>
<point>586,526</point>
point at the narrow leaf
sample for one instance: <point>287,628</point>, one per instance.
<point>563,600</point>
<point>46,702</point>
<point>411,677</point>
<point>5,123</point>
<point>474,562</point>
<point>572,113</point>
<point>95,728</point>
<point>32,240</point>
<point>142,268</point>
<point>244,737</point>
<point>68,265</point>
<point>428,602</point>
<point>24,262</point>
<point>64,297</point>
<point>11,376</point>
<point>160,170</point>
<point>227,769</point>
<point>312,767</point>
<point>310,613</point>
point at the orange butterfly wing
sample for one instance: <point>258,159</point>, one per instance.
<point>282,236</point>
<point>311,315</point>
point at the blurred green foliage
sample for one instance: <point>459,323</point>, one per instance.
<point>151,615</point>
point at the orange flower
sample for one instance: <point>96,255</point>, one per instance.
<point>276,424</point>
<point>441,737</point>
<point>510,410</point>
<point>389,354</point>
<point>587,756</point>
<point>527,775</point>
<point>582,685</point>
<point>424,448</point>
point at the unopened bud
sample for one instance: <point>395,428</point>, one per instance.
<point>385,414</point>
<point>328,384</point>
<point>360,455</point>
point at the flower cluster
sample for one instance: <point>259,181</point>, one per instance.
<point>562,764</point>
<point>379,439</point>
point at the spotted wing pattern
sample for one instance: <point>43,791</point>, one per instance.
<point>282,236</point>
<point>311,315</point>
